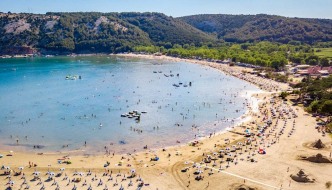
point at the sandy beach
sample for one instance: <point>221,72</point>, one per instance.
<point>228,160</point>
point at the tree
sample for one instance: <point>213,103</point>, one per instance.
<point>324,62</point>
<point>327,107</point>
<point>314,106</point>
<point>168,45</point>
<point>283,95</point>
<point>278,63</point>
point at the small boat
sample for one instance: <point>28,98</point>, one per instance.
<point>144,112</point>
<point>124,115</point>
<point>73,77</point>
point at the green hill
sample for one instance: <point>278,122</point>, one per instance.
<point>243,28</point>
<point>162,28</point>
<point>92,32</point>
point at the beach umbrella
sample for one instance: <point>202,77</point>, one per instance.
<point>21,168</point>
<point>36,173</point>
<point>62,169</point>
<point>186,163</point>
<point>132,170</point>
<point>51,174</point>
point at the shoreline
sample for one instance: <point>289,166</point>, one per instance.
<point>245,118</point>
<point>231,124</point>
<point>166,173</point>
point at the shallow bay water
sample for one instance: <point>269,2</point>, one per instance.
<point>40,107</point>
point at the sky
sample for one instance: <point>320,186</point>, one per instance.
<point>176,8</point>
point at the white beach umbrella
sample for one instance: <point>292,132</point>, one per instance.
<point>36,173</point>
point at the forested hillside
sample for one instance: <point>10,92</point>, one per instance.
<point>92,32</point>
<point>249,28</point>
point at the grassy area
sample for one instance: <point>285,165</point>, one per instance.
<point>324,52</point>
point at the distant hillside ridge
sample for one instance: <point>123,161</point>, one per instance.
<point>250,28</point>
<point>92,32</point>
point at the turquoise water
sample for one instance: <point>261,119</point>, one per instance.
<point>40,107</point>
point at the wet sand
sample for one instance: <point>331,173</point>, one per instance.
<point>283,140</point>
